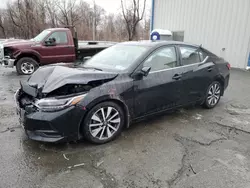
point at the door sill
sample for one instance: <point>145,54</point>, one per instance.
<point>167,110</point>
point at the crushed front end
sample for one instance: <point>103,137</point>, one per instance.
<point>50,101</point>
<point>47,124</point>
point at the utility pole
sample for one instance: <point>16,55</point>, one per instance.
<point>93,21</point>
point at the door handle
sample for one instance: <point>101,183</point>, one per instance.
<point>209,69</point>
<point>177,76</point>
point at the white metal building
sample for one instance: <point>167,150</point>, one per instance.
<point>221,26</point>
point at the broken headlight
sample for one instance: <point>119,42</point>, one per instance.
<point>54,104</point>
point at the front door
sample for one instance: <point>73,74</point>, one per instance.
<point>160,90</point>
<point>62,51</point>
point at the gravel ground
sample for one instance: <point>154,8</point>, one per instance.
<point>189,148</point>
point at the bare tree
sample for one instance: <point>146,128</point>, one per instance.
<point>68,12</point>
<point>13,14</point>
<point>26,18</point>
<point>50,6</point>
<point>2,17</point>
<point>146,25</point>
<point>107,28</point>
<point>96,17</point>
<point>132,14</point>
<point>120,28</point>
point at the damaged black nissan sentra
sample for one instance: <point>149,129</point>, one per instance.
<point>123,83</point>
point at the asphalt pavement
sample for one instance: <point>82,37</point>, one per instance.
<point>189,148</point>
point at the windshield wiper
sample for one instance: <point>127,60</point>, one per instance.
<point>92,68</point>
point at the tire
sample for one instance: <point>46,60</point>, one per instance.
<point>26,66</point>
<point>107,130</point>
<point>213,95</point>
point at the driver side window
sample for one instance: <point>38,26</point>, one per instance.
<point>164,58</point>
<point>60,36</point>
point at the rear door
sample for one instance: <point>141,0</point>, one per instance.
<point>196,76</point>
<point>160,90</point>
<point>63,51</point>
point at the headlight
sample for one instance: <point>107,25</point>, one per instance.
<point>54,104</point>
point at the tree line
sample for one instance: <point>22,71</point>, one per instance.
<point>26,18</point>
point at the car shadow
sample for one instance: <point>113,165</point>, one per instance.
<point>155,118</point>
<point>134,127</point>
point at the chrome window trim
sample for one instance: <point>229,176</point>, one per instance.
<point>175,68</point>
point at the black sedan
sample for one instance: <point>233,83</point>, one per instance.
<point>123,83</point>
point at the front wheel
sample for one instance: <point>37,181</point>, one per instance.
<point>26,66</point>
<point>213,95</point>
<point>103,123</point>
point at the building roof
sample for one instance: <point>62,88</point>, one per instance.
<point>162,32</point>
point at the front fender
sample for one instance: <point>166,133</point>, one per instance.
<point>109,97</point>
<point>27,53</point>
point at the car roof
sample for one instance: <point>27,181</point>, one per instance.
<point>58,29</point>
<point>150,43</point>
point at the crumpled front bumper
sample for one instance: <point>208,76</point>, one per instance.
<point>6,62</point>
<point>53,126</point>
<point>59,126</point>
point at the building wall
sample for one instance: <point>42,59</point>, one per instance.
<point>216,24</point>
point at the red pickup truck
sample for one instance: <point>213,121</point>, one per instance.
<point>51,46</point>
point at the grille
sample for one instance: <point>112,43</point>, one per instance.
<point>25,100</point>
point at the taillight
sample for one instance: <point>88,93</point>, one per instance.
<point>228,66</point>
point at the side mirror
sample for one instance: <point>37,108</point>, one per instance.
<point>50,42</point>
<point>145,71</point>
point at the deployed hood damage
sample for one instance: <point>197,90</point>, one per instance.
<point>59,80</point>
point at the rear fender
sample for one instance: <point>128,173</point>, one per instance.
<point>221,80</point>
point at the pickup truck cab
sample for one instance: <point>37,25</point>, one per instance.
<point>51,46</point>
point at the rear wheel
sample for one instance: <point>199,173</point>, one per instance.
<point>213,95</point>
<point>103,123</point>
<point>26,66</point>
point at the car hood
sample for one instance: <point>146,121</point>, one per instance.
<point>17,43</point>
<point>48,79</point>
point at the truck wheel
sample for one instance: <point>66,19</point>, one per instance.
<point>26,66</point>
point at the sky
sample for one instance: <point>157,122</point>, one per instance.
<point>111,6</point>
<point>3,3</point>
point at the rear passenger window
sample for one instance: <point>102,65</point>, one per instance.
<point>161,59</point>
<point>203,55</point>
<point>189,55</point>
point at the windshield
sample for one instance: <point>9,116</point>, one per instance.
<point>41,36</point>
<point>118,57</point>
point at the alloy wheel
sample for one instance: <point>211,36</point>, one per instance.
<point>213,94</point>
<point>27,68</point>
<point>104,123</point>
